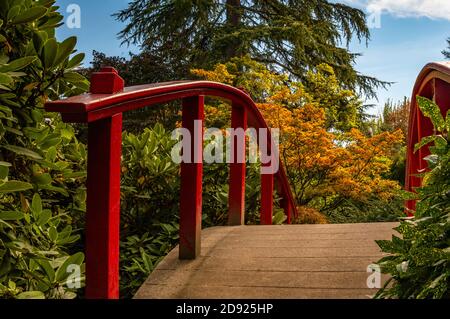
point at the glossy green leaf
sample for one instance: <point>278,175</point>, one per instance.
<point>56,189</point>
<point>17,64</point>
<point>33,13</point>
<point>76,60</point>
<point>48,269</point>
<point>5,164</point>
<point>15,186</point>
<point>431,110</point>
<point>11,215</point>
<point>53,234</point>
<point>439,141</point>
<point>65,49</point>
<point>4,170</point>
<point>39,39</point>
<point>36,204</point>
<point>31,295</point>
<point>37,116</point>
<point>44,217</point>
<point>5,79</point>
<point>51,154</point>
<point>62,273</point>
<point>42,179</point>
<point>23,151</point>
<point>50,142</point>
<point>67,134</point>
<point>49,53</point>
<point>13,12</point>
<point>74,77</point>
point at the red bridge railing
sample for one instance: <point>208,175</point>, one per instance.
<point>433,83</point>
<point>102,109</point>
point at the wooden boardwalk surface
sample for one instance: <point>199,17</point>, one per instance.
<point>273,262</point>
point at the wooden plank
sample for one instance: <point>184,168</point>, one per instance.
<point>317,261</point>
<point>296,264</point>
<point>281,279</point>
<point>194,292</point>
<point>281,243</point>
<point>290,252</point>
<point>291,237</point>
<point>298,229</point>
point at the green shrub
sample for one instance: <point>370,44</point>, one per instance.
<point>371,210</point>
<point>419,262</point>
<point>141,253</point>
<point>42,165</point>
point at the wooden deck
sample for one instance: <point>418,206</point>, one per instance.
<point>273,262</point>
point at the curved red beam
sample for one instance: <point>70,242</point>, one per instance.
<point>433,83</point>
<point>93,107</point>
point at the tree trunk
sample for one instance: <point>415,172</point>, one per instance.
<point>234,18</point>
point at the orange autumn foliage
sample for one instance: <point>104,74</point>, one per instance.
<point>324,165</point>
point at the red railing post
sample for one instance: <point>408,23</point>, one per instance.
<point>286,205</point>
<point>266,214</point>
<point>191,180</point>
<point>268,167</point>
<point>236,197</point>
<point>103,195</point>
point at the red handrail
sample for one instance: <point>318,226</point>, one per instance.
<point>102,109</point>
<point>433,82</point>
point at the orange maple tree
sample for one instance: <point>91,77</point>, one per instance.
<point>325,164</point>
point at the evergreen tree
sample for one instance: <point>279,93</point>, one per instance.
<point>446,53</point>
<point>289,36</point>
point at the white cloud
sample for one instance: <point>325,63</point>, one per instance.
<point>433,9</point>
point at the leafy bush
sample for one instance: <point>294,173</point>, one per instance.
<point>41,162</point>
<point>367,211</point>
<point>419,262</point>
<point>150,179</point>
<point>141,253</point>
<point>308,215</point>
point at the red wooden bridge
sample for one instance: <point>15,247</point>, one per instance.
<point>289,261</point>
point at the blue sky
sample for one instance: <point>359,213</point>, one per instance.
<point>411,33</point>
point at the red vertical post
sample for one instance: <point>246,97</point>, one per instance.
<point>268,159</point>
<point>236,197</point>
<point>191,180</point>
<point>419,127</point>
<point>266,214</point>
<point>103,196</point>
<point>287,209</point>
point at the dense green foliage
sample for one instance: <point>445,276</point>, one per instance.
<point>291,36</point>
<point>41,163</point>
<point>419,261</point>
